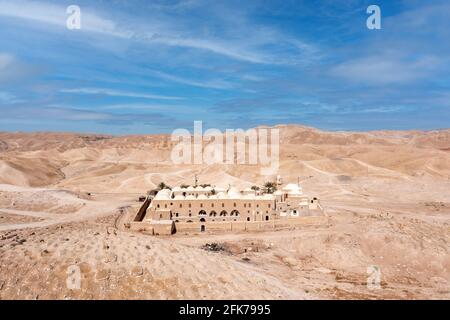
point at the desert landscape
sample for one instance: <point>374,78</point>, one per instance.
<point>64,196</point>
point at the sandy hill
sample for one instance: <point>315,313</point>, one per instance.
<point>103,163</point>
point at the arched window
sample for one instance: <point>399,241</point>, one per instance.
<point>202,220</point>
<point>202,213</point>
<point>234,213</point>
<point>213,214</point>
<point>223,213</point>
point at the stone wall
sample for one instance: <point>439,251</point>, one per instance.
<point>237,226</point>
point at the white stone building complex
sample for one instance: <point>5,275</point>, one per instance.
<point>209,208</point>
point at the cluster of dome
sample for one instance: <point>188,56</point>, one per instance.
<point>204,193</point>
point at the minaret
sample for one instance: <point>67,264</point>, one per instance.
<point>279,182</point>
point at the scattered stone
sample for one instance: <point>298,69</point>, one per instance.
<point>102,275</point>
<point>214,247</point>
<point>110,258</point>
<point>137,271</point>
<point>291,262</point>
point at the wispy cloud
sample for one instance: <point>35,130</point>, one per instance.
<point>117,93</point>
<point>169,33</point>
<point>8,98</point>
<point>48,13</point>
<point>382,69</point>
<point>214,84</point>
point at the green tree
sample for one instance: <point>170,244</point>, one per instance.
<point>162,185</point>
<point>270,187</point>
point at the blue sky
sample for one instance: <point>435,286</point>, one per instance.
<point>154,66</point>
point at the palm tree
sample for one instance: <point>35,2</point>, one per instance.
<point>162,185</point>
<point>270,187</point>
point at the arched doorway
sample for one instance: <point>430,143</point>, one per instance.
<point>202,228</point>
<point>202,213</point>
<point>202,220</point>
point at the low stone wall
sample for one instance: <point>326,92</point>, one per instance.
<point>236,226</point>
<point>153,229</point>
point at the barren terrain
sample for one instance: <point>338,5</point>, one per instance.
<point>63,197</point>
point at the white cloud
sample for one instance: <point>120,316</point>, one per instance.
<point>5,60</point>
<point>56,15</point>
<point>6,97</point>
<point>214,84</point>
<point>167,31</point>
<point>385,69</point>
<point>117,93</point>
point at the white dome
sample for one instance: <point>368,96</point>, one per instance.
<point>176,189</point>
<point>179,197</point>
<point>202,197</point>
<point>222,195</point>
<point>291,187</point>
<point>234,193</point>
<point>190,197</point>
<point>190,188</point>
<point>163,195</point>
<point>277,193</point>
<point>198,188</point>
